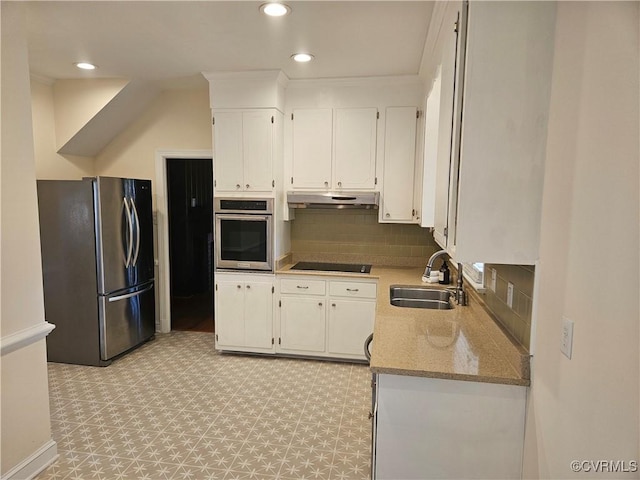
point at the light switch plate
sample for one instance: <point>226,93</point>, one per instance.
<point>510,295</point>
<point>566,341</point>
<point>494,279</point>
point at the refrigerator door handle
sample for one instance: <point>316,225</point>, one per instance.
<point>127,262</point>
<point>135,213</point>
<point>129,295</point>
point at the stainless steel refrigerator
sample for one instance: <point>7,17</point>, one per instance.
<point>98,267</point>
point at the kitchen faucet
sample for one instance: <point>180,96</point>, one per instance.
<point>459,293</point>
<point>427,271</point>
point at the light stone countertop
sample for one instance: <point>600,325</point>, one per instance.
<point>464,343</point>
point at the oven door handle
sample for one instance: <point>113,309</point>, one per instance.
<point>244,218</point>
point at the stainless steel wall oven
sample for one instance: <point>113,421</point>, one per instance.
<point>244,233</point>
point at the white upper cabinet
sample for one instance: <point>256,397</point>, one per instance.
<point>493,162</point>
<point>227,141</point>
<point>334,149</point>
<point>243,143</point>
<point>257,141</point>
<point>399,165</point>
<point>354,154</point>
<point>312,133</point>
<point>445,99</point>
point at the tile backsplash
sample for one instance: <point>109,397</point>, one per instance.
<point>516,320</point>
<point>356,236</point>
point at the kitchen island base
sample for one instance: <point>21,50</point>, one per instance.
<point>428,428</point>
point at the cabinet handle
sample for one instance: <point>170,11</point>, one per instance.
<point>304,287</point>
<point>353,289</point>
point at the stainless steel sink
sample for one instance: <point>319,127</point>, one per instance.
<point>420,297</point>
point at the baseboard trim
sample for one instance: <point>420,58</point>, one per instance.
<point>34,463</point>
<point>23,338</point>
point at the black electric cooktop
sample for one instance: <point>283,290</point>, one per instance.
<point>333,267</point>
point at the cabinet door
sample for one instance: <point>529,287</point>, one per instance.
<point>312,131</point>
<point>430,158</point>
<point>228,154</point>
<point>257,141</point>
<point>399,164</point>
<point>350,323</point>
<point>302,324</point>
<point>446,168</point>
<point>229,309</point>
<point>354,149</point>
<point>258,315</point>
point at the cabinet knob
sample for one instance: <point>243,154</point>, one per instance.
<point>339,184</point>
<point>326,184</point>
<point>248,286</point>
<point>237,185</point>
<point>387,215</point>
<point>333,304</point>
<point>239,286</point>
<point>247,185</point>
<point>319,304</point>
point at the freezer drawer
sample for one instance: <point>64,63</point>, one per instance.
<point>127,318</point>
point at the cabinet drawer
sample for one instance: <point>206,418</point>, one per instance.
<point>302,286</point>
<point>352,289</point>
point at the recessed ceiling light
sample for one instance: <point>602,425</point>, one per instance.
<point>86,66</point>
<point>302,57</point>
<point>275,9</point>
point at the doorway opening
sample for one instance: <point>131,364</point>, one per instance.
<point>190,224</point>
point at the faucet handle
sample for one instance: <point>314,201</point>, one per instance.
<point>461,297</point>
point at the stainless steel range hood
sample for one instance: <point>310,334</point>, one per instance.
<point>333,199</point>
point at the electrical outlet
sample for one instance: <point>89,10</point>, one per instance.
<point>510,295</point>
<point>494,279</point>
<point>566,341</point>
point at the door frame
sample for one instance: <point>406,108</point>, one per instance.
<point>163,265</point>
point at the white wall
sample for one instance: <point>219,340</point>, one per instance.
<point>78,100</point>
<point>176,120</point>
<point>49,164</point>
<point>587,408</point>
<point>24,391</point>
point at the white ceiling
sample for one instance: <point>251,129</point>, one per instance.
<point>174,41</point>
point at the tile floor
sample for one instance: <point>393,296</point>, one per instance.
<point>176,409</point>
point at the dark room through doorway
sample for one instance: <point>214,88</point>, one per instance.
<point>190,215</point>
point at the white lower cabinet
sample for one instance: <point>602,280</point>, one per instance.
<point>244,312</point>
<point>325,318</point>
<point>349,325</point>
<point>427,428</point>
<point>328,317</point>
<point>302,325</point>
